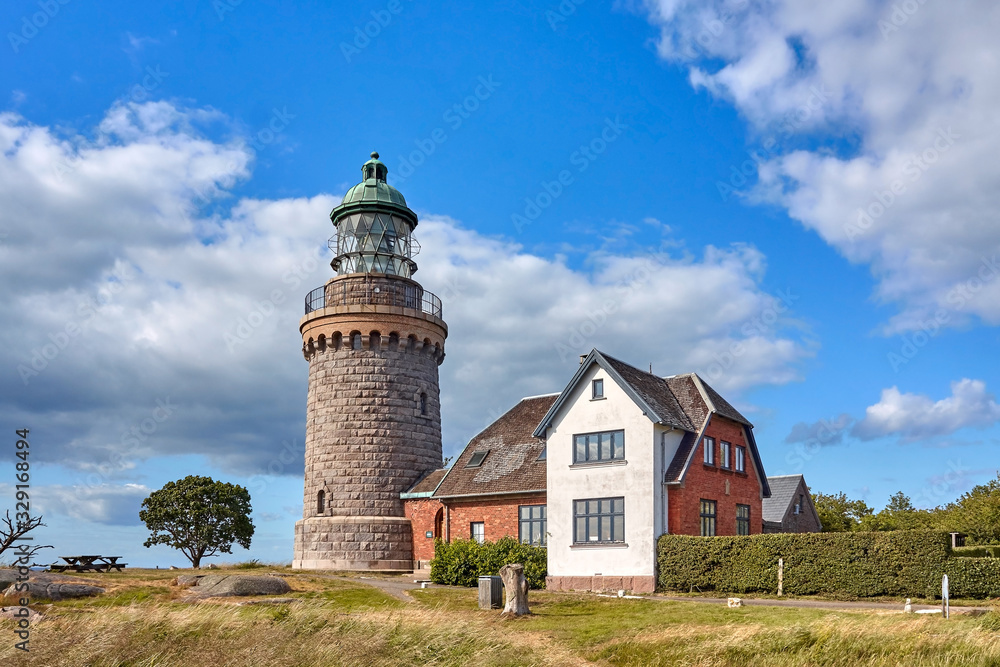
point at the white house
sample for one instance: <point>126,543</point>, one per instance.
<point>621,446</point>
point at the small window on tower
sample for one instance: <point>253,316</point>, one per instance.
<point>598,389</point>
<point>321,502</point>
<point>477,459</point>
<point>423,403</point>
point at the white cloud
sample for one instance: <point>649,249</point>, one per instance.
<point>105,504</point>
<point>138,322</point>
<point>917,417</point>
<point>909,95</point>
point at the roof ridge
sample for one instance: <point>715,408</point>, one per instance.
<point>528,398</point>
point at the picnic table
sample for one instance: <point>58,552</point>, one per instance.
<point>87,564</point>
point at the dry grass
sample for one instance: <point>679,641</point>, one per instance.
<point>143,621</point>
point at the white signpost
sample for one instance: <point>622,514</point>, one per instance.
<point>944,596</point>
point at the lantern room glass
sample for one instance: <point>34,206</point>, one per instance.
<point>374,243</point>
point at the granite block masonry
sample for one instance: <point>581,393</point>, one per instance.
<point>374,339</point>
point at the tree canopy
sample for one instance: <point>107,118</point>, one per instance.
<point>198,516</point>
<point>977,513</point>
<point>838,513</point>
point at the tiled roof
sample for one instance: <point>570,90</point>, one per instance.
<point>676,467</point>
<point>783,492</point>
<point>512,465</point>
<point>427,483</point>
<point>689,398</point>
<point>655,391</point>
<point>722,406</point>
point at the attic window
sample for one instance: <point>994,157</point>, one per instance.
<point>541,456</point>
<point>597,389</point>
<point>477,459</point>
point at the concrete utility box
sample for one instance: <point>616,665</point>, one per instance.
<point>490,592</point>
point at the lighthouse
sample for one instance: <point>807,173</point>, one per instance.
<point>373,338</point>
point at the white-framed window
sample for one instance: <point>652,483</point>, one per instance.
<point>724,454</point>
<point>597,389</point>
<point>599,520</point>
<point>477,531</point>
<point>741,459</point>
<point>599,447</point>
<point>531,524</point>
<point>708,445</point>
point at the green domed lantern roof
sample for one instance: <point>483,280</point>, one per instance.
<point>374,227</point>
<point>374,187</point>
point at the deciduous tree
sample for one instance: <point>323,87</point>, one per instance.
<point>199,516</point>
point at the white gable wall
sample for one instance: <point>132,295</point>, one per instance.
<point>639,481</point>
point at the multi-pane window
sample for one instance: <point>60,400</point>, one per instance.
<point>599,520</point>
<point>742,519</point>
<point>707,518</point>
<point>741,459</point>
<point>597,389</point>
<point>724,452</point>
<point>531,524</point>
<point>708,445</point>
<point>596,447</point>
<point>477,531</point>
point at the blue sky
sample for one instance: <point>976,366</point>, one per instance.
<point>799,204</point>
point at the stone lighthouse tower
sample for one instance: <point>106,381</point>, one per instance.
<point>373,338</point>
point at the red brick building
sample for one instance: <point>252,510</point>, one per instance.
<point>711,481</point>
<point>495,488</point>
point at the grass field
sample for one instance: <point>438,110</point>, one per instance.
<point>143,620</point>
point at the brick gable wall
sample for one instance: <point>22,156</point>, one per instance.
<point>709,483</point>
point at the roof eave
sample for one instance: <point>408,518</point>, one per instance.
<point>491,493</point>
<point>598,358</point>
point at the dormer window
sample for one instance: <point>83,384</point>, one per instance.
<point>477,459</point>
<point>597,389</point>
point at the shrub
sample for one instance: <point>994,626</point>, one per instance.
<point>973,577</point>
<point>991,551</point>
<point>856,564</point>
<point>462,562</point>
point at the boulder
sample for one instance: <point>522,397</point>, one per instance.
<point>56,591</point>
<point>224,585</point>
<point>186,580</point>
<point>15,612</point>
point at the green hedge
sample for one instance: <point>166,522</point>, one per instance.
<point>462,562</point>
<point>973,577</point>
<point>991,551</point>
<point>900,563</point>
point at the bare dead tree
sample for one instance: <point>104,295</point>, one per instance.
<point>11,532</point>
